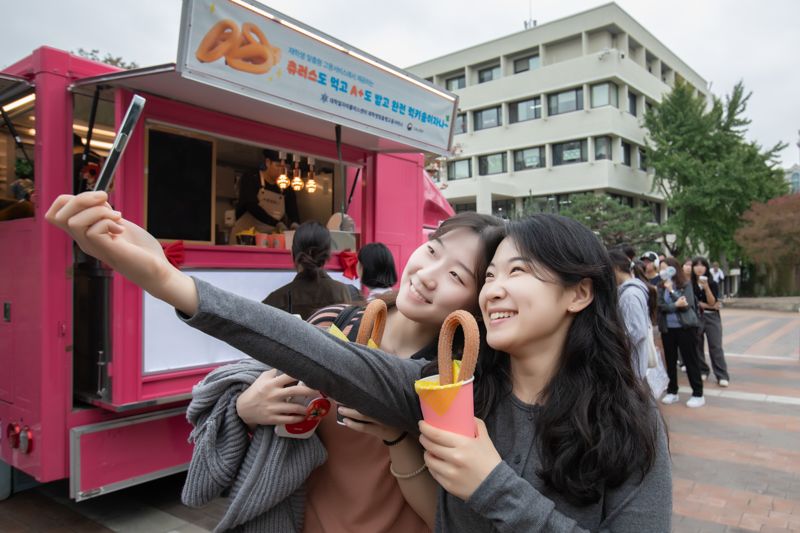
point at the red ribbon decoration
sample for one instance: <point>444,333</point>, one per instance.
<point>175,253</point>
<point>348,261</point>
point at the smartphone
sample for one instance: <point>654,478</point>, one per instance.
<point>120,142</point>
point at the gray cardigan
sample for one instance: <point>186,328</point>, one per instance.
<point>266,476</point>
<point>512,498</point>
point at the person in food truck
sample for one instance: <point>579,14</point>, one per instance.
<point>312,288</point>
<point>571,440</point>
<point>262,204</point>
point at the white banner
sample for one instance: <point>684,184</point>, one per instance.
<point>246,47</point>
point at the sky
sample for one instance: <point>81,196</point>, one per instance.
<point>722,40</point>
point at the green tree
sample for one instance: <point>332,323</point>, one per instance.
<point>706,169</point>
<point>612,221</point>
<point>108,59</point>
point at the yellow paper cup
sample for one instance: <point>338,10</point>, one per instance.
<point>448,407</point>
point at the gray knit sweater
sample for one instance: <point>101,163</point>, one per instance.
<point>511,499</point>
<point>266,476</point>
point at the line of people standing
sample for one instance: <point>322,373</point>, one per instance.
<point>688,317</point>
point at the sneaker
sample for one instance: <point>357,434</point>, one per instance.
<point>724,383</point>
<point>696,401</point>
<point>683,368</point>
<point>670,398</point>
<point>704,376</point>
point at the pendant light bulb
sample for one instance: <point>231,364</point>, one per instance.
<point>311,183</point>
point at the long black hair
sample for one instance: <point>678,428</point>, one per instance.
<point>597,424</point>
<point>377,264</point>
<point>700,260</point>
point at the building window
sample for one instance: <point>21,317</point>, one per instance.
<point>565,102</point>
<point>569,152</point>
<point>456,82</point>
<point>605,94</point>
<point>642,159</point>
<point>626,153</point>
<point>458,170</point>
<point>632,98</point>
<point>647,106</point>
<point>460,208</point>
<point>488,74</point>
<point>502,208</point>
<point>492,164</point>
<point>525,110</point>
<point>602,148</point>
<point>529,158</point>
<point>487,118</point>
<point>622,199</point>
<point>524,64</point>
<point>461,123</point>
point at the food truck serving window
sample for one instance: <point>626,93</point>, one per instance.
<point>180,186</point>
<point>205,189</point>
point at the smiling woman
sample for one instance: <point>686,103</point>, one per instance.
<point>571,441</point>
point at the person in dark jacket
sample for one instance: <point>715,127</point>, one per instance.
<point>677,321</point>
<point>312,288</point>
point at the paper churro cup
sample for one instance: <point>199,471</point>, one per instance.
<point>446,398</point>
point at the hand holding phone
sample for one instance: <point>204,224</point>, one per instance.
<point>120,142</point>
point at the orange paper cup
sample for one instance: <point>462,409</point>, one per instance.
<point>449,407</point>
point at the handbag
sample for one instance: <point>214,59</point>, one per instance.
<point>656,375</point>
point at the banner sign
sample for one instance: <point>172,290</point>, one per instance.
<point>245,47</point>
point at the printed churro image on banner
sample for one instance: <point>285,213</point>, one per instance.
<point>247,50</point>
<point>446,398</point>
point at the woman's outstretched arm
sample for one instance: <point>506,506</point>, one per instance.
<point>102,233</point>
<point>377,384</point>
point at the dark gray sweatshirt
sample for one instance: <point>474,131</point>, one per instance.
<point>511,499</point>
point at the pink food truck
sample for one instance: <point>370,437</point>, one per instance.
<point>95,375</point>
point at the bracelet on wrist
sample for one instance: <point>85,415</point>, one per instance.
<point>415,473</point>
<point>399,439</point>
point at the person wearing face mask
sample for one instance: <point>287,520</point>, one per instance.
<point>677,321</point>
<point>571,440</point>
<point>262,204</point>
<point>356,489</point>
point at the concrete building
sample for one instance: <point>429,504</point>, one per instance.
<point>556,109</point>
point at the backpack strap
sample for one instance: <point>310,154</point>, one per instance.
<point>343,319</point>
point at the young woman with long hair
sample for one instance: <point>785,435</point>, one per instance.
<point>571,440</point>
<point>707,293</point>
<point>354,490</point>
<point>677,321</point>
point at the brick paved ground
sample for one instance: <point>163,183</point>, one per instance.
<point>736,462</point>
